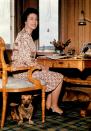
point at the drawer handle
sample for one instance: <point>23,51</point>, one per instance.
<point>60,62</point>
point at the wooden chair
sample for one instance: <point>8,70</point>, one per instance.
<point>10,84</point>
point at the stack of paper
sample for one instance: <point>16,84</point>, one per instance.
<point>57,56</point>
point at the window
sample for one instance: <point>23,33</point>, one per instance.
<point>48,24</point>
<point>7,21</point>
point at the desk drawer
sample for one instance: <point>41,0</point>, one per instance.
<point>75,64</point>
<point>46,63</point>
<point>67,64</point>
<point>61,64</point>
<point>87,64</point>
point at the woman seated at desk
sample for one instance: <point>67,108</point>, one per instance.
<point>24,46</point>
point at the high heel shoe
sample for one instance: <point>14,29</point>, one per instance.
<point>48,112</point>
<point>57,113</point>
<point>51,112</point>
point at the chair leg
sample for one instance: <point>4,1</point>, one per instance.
<point>5,94</point>
<point>43,104</point>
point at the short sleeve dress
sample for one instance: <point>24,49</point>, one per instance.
<point>21,56</point>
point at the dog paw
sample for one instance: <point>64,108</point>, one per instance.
<point>31,122</point>
<point>82,113</point>
<point>20,122</point>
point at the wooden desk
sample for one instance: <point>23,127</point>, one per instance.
<point>80,64</point>
<point>70,63</point>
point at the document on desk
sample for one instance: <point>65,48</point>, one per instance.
<point>57,56</point>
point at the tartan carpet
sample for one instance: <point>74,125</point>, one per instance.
<point>70,121</point>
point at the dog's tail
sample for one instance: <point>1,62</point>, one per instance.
<point>13,104</point>
<point>14,113</point>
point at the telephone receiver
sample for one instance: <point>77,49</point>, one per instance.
<point>86,47</point>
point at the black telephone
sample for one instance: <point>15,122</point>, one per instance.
<point>86,47</point>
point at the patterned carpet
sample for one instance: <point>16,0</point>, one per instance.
<point>70,121</point>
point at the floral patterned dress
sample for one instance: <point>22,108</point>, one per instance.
<point>21,56</point>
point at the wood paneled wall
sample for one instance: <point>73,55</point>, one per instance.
<point>70,13</point>
<point>20,6</point>
<point>30,3</point>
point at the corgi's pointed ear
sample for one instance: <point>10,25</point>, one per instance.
<point>22,96</point>
<point>30,96</point>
